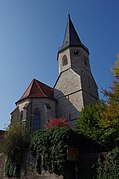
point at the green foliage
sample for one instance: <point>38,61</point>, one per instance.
<point>100,122</point>
<point>52,144</point>
<point>108,166</point>
<point>89,123</point>
<point>115,69</point>
<point>16,143</point>
<point>110,116</point>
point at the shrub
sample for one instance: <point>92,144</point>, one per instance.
<point>108,165</point>
<point>16,143</point>
<point>61,122</point>
<point>52,145</point>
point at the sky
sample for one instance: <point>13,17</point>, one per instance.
<point>31,31</point>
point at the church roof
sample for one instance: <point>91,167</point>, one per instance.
<point>37,89</point>
<point>71,38</point>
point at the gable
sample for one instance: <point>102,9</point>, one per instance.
<point>68,82</point>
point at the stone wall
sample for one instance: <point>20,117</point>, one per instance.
<point>68,92</point>
<point>31,174</point>
<point>85,165</point>
<point>26,109</point>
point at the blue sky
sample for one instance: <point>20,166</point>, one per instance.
<point>31,31</point>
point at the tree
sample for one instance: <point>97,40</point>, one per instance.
<point>16,143</point>
<point>89,124</point>
<point>100,122</point>
<point>110,116</point>
<point>113,94</point>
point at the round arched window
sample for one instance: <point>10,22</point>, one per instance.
<point>64,60</point>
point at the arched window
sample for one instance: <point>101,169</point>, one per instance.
<point>64,60</point>
<point>36,120</point>
<point>21,115</point>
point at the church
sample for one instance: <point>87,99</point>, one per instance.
<point>74,89</point>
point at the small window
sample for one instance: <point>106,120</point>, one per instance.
<point>86,63</point>
<point>21,115</point>
<point>64,60</point>
<point>85,60</point>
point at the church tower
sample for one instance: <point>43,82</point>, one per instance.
<point>75,86</point>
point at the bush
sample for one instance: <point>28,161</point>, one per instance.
<point>52,145</point>
<point>96,124</point>
<point>108,165</point>
<point>16,143</point>
<point>89,123</point>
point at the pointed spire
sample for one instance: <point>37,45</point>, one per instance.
<point>71,37</point>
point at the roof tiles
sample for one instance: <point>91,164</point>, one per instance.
<point>37,89</point>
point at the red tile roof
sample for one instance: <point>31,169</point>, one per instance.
<point>37,89</point>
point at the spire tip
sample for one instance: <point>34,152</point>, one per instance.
<point>68,14</point>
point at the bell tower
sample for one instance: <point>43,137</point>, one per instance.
<point>72,51</point>
<point>75,86</point>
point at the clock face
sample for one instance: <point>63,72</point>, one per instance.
<point>75,52</point>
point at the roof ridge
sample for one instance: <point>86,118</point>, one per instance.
<point>44,84</point>
<point>40,87</point>
<point>30,86</point>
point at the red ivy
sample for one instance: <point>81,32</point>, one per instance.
<point>61,122</point>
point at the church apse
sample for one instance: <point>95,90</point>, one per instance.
<point>35,107</point>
